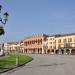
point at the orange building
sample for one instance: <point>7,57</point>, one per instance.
<point>34,44</point>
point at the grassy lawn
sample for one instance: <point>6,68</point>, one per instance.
<point>10,61</point>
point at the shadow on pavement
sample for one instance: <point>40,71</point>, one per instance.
<point>46,65</point>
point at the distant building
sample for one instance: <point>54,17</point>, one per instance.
<point>34,44</point>
<point>10,47</point>
<point>61,44</point>
<point>44,44</point>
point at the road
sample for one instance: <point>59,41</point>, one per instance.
<point>47,65</point>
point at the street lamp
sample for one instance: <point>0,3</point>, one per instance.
<point>17,56</point>
<point>3,20</point>
<point>0,8</point>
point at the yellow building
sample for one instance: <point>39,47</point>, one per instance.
<point>62,44</point>
<point>11,47</point>
<point>51,44</point>
<point>21,47</point>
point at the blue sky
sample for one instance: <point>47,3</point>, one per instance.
<point>30,17</point>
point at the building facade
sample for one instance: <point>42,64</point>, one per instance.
<point>61,44</point>
<point>34,44</point>
<point>44,44</point>
<point>11,47</point>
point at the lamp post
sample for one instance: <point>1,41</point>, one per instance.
<point>3,21</point>
<point>17,56</point>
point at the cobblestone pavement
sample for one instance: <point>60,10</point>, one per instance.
<point>47,65</point>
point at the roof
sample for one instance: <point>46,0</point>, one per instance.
<point>60,35</point>
<point>37,35</point>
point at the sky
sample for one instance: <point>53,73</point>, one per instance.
<point>31,17</point>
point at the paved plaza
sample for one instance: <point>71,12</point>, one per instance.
<point>47,65</point>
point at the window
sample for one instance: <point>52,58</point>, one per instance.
<point>55,41</point>
<point>50,46</point>
<point>69,39</point>
<point>59,46</point>
<point>50,38</point>
<point>53,38</point>
<point>67,45</point>
<point>50,42</point>
<point>59,41</point>
<point>64,40</point>
<point>74,39</point>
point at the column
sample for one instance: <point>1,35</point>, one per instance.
<point>23,51</point>
<point>54,51</point>
<point>36,50</point>
<point>65,51</point>
<point>42,49</point>
<point>59,51</point>
<point>70,51</point>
